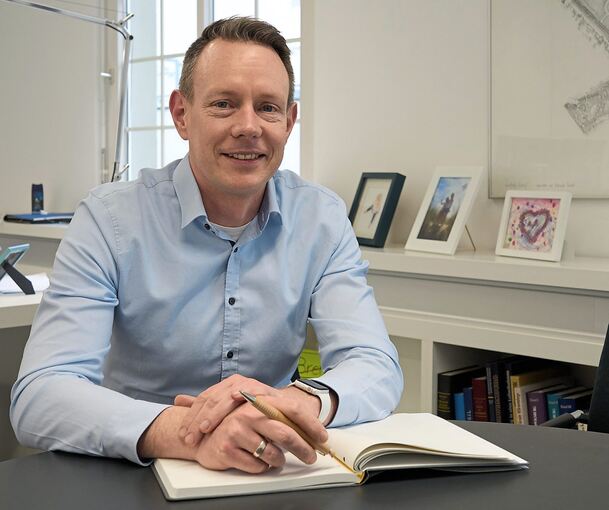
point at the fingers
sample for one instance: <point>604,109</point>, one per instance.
<point>286,438</point>
<point>300,415</point>
<point>184,400</point>
<point>214,404</point>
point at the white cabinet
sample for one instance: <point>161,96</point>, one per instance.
<point>444,312</point>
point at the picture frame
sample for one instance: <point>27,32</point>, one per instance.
<point>445,209</point>
<point>374,205</point>
<point>533,224</point>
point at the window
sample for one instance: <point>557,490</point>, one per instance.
<point>163,30</point>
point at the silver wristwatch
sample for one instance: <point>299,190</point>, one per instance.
<point>320,391</point>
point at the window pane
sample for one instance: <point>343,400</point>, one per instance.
<point>145,27</point>
<point>174,147</point>
<point>144,92</point>
<point>291,156</point>
<point>283,14</point>
<point>226,8</point>
<point>295,58</point>
<point>144,150</point>
<point>179,25</point>
<point>172,68</point>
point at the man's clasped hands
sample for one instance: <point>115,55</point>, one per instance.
<point>227,432</point>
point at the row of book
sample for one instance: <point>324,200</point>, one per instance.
<point>514,389</point>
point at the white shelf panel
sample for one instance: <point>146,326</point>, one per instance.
<point>49,231</point>
<point>577,273</point>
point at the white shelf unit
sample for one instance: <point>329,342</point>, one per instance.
<point>472,307</point>
<point>47,231</point>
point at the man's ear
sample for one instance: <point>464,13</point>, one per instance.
<point>292,115</point>
<point>178,105</point>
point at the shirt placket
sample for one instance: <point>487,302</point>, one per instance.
<point>232,321</point>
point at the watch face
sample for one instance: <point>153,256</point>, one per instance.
<point>314,384</point>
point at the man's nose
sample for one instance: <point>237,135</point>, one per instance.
<point>247,123</point>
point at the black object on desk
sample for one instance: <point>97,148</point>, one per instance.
<point>597,419</point>
<point>8,259</point>
<point>569,469</point>
<point>39,218</point>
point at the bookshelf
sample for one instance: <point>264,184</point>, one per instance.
<point>446,312</point>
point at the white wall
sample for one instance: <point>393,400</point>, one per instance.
<point>52,106</point>
<point>402,86</point>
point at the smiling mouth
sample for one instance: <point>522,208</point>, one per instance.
<point>243,155</point>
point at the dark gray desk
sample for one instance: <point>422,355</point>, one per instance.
<point>569,469</point>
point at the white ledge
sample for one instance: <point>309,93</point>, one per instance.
<point>581,273</point>
<point>48,231</point>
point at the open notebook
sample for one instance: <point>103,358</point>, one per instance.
<point>401,441</point>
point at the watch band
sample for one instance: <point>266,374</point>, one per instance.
<point>322,394</point>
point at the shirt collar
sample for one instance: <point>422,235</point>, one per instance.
<point>191,203</point>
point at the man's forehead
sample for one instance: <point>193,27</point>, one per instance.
<point>224,63</point>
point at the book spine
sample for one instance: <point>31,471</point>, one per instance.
<point>553,409</point>
<point>508,394</point>
<point>537,407</point>
<point>459,403</point>
<point>490,393</point>
<point>499,412</point>
<point>566,405</point>
<point>445,406</point>
<point>480,400</point>
<point>516,401</point>
<point>468,401</point>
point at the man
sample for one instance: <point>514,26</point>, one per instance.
<point>197,280</point>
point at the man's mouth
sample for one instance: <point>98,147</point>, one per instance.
<point>244,155</point>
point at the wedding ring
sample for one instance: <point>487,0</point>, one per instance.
<point>260,450</point>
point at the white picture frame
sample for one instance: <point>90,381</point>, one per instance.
<point>533,224</point>
<point>446,206</point>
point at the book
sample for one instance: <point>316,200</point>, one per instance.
<point>521,376</point>
<point>553,398</point>
<point>451,382</point>
<point>480,398</point>
<point>531,381</point>
<point>514,365</point>
<point>468,403</point>
<point>401,441</point>
<point>459,402</point>
<point>500,387</point>
<point>537,403</point>
<point>490,392</point>
<point>574,401</point>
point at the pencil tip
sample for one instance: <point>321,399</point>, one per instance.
<point>247,396</point>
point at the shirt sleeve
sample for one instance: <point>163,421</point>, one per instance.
<point>360,361</point>
<point>58,401</point>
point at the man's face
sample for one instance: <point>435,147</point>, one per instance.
<point>238,121</point>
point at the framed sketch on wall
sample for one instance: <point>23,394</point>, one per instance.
<point>549,97</point>
<point>533,224</point>
<point>374,205</point>
<point>448,201</point>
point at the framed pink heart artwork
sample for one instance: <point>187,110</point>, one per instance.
<point>533,224</point>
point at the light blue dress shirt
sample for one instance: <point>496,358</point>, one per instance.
<point>147,301</point>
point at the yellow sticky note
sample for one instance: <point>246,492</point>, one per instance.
<point>309,364</point>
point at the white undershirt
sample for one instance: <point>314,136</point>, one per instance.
<point>233,233</point>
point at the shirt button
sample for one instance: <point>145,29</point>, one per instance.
<point>207,227</point>
<point>229,354</point>
<point>231,301</point>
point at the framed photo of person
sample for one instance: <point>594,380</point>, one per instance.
<point>374,205</point>
<point>446,206</point>
<point>533,224</point>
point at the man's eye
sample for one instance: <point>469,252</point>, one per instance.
<point>269,108</point>
<point>221,104</point>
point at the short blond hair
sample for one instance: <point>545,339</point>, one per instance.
<point>239,29</point>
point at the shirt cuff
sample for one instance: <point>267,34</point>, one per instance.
<point>128,425</point>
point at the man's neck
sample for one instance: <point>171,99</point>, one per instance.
<point>231,210</point>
